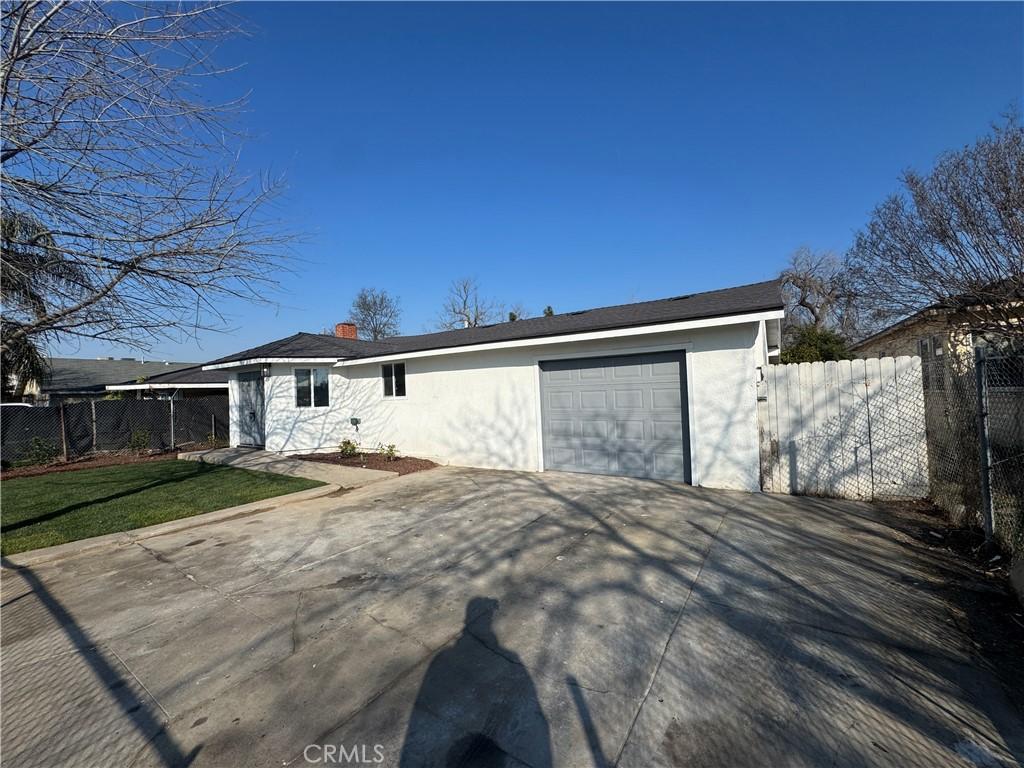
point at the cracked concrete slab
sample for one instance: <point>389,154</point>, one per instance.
<point>469,617</point>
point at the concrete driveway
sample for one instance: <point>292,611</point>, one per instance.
<point>472,618</point>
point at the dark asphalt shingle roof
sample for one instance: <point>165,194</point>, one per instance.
<point>73,374</point>
<point>303,345</point>
<point>186,377</point>
<point>743,299</point>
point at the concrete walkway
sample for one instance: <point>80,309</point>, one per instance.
<point>477,618</point>
<point>265,461</point>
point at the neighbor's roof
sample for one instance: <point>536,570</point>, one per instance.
<point>73,374</point>
<point>744,299</point>
<point>182,378</point>
<point>944,309</point>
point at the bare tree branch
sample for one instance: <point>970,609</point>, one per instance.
<point>952,238</point>
<point>816,289</point>
<point>126,174</point>
<point>465,308</point>
<point>376,314</point>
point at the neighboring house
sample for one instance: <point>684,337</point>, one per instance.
<point>929,333</point>
<point>71,379</point>
<point>663,389</point>
<point>933,333</point>
<point>176,385</point>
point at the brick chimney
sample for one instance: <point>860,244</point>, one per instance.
<point>346,331</point>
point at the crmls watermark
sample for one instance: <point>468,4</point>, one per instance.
<point>339,754</point>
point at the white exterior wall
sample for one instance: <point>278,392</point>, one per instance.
<point>233,408</point>
<point>482,408</point>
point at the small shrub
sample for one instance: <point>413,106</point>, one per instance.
<point>348,448</point>
<point>139,442</point>
<point>39,451</point>
<point>389,451</point>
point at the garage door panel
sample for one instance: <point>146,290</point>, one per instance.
<point>629,398</point>
<point>668,464</point>
<point>670,431</point>
<point>616,415</point>
<point>627,372</point>
<point>560,427</point>
<point>629,430</point>
<point>669,370</point>
<point>592,374</point>
<point>669,399</point>
<point>633,463</point>
<point>596,460</point>
<point>560,455</point>
<point>561,401</point>
<point>597,429</point>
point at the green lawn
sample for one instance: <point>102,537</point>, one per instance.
<point>60,507</point>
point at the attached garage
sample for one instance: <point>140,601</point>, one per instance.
<point>623,415</point>
<point>664,389</point>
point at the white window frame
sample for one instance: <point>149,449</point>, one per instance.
<point>312,393</point>
<point>405,378</point>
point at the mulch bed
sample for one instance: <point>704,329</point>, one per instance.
<point>88,462</point>
<point>403,465</point>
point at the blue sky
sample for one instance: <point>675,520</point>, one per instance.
<point>579,154</point>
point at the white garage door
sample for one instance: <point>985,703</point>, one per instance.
<point>621,415</point>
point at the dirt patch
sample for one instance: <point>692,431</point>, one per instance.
<point>89,462</point>
<point>978,584</point>
<point>403,465</point>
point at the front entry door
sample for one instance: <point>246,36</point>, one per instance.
<point>250,408</point>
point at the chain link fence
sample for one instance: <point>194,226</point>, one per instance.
<point>41,435</point>
<point>974,413</point>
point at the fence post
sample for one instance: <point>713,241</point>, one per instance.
<point>172,422</point>
<point>984,448</point>
<point>63,434</point>
<point>94,439</point>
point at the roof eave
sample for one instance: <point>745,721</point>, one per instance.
<point>183,385</point>
<point>607,333</point>
<point>269,361</point>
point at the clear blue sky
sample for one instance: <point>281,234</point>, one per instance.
<point>588,154</point>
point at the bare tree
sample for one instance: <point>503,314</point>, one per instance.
<point>816,289</point>
<point>514,311</point>
<point>125,175</point>
<point>465,308</point>
<point>952,238</point>
<point>375,313</point>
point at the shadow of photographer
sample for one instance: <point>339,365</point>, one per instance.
<point>477,706</point>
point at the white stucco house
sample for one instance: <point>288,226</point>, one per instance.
<point>664,389</point>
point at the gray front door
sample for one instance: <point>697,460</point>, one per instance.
<point>616,415</point>
<point>250,408</point>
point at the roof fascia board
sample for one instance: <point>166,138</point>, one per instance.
<point>127,387</point>
<point>270,361</point>
<point>615,333</point>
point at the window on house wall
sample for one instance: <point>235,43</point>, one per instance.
<point>393,375</point>
<point>312,388</point>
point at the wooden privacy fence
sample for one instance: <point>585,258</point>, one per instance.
<point>853,429</point>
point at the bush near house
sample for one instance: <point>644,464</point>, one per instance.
<point>811,344</point>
